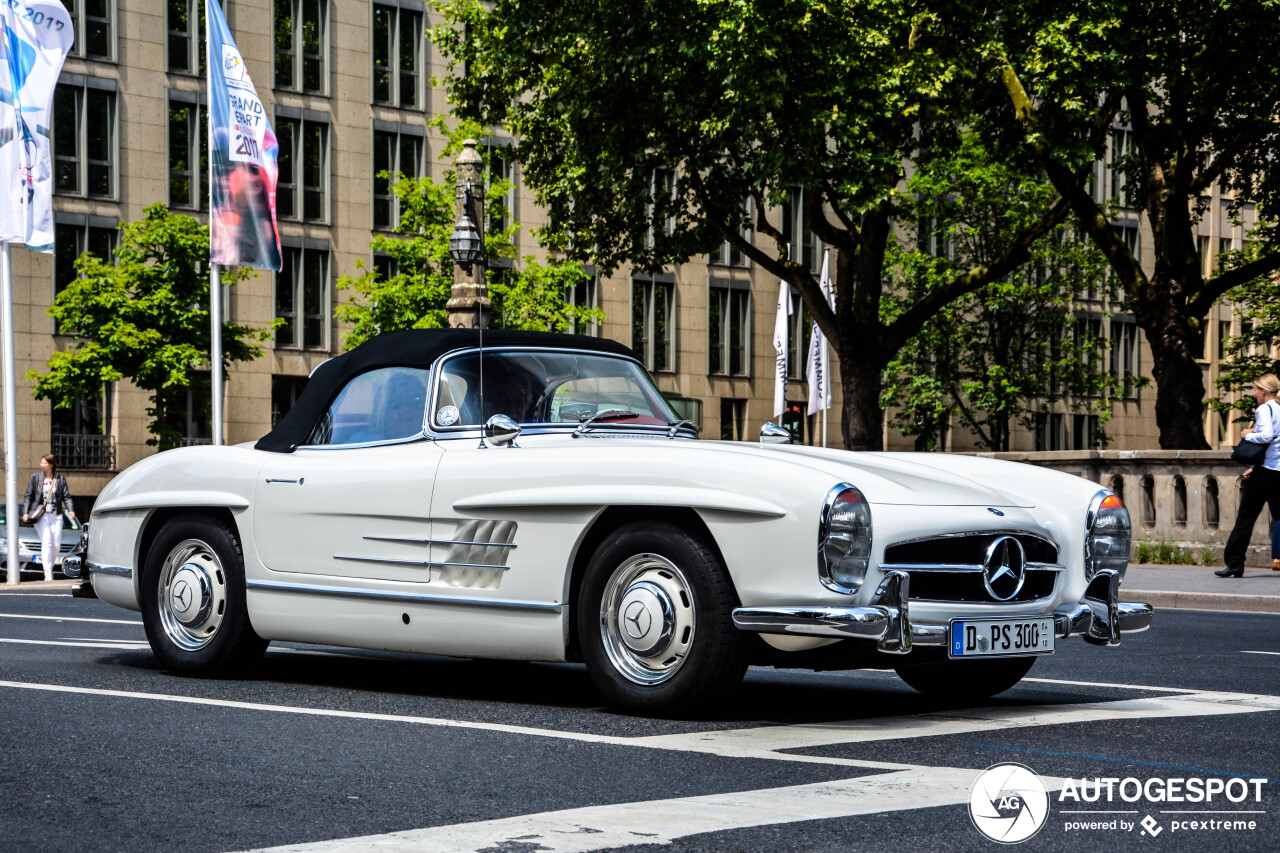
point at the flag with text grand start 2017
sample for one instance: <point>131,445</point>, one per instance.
<point>34,39</point>
<point>243,155</point>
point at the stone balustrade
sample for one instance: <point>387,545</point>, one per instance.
<point>1186,498</point>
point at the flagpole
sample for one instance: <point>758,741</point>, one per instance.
<point>12,517</point>
<point>215,349</point>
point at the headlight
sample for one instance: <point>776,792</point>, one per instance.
<point>844,539</point>
<point>1106,544</point>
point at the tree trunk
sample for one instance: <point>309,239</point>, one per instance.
<point>1179,381</point>
<point>862,418</point>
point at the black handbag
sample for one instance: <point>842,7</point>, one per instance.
<point>1249,452</point>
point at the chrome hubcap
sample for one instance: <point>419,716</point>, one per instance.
<point>192,594</point>
<point>647,619</point>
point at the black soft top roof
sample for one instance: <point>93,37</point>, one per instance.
<point>412,348</point>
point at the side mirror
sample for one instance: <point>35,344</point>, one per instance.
<point>501,429</point>
<point>771,433</point>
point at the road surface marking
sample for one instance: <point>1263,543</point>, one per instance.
<point>82,644</point>
<point>664,821</point>
<point>503,728</point>
<point>1259,653</point>
<point>808,736</point>
<point>71,619</point>
<point>1152,687</point>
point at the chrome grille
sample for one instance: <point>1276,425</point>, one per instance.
<point>950,568</point>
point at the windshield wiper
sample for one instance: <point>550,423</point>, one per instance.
<point>675,427</point>
<point>606,415</point>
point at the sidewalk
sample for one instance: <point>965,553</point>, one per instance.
<point>1197,588</point>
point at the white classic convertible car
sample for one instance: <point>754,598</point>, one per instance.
<point>539,500</point>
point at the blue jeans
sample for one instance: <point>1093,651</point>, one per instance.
<point>1275,539</point>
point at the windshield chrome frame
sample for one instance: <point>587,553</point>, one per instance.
<point>474,431</point>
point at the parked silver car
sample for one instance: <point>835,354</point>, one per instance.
<point>29,542</point>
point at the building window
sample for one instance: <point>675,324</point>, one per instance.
<point>733,418</point>
<point>302,191</point>
<point>300,31</point>
<point>585,294</point>
<point>79,434</point>
<point>84,137</point>
<point>74,235</point>
<point>730,255</point>
<point>285,391</point>
<point>186,44</point>
<point>799,331</point>
<point>397,56</point>
<point>653,321</point>
<point>801,242</point>
<point>686,409</point>
<point>1086,432</point>
<point>1124,355</point>
<point>188,151</point>
<point>188,417</point>
<point>1051,431</point>
<point>393,152</point>
<point>662,186</point>
<point>729,327</point>
<point>93,22</point>
<point>385,267</point>
<point>302,297</point>
<point>795,420</point>
<point>502,170</point>
<point>1121,148</point>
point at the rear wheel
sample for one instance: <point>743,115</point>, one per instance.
<point>655,619</point>
<point>965,679</point>
<point>193,599</point>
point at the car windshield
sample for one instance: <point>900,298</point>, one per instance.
<point>535,387</point>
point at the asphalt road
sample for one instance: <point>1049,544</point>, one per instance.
<point>328,751</point>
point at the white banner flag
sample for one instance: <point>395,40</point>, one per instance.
<point>34,39</point>
<point>817,373</point>
<point>780,346</point>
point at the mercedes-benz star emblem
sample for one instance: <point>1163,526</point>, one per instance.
<point>638,619</point>
<point>182,596</point>
<point>1004,568</point>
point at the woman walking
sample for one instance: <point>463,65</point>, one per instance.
<point>47,496</point>
<point>1261,482</point>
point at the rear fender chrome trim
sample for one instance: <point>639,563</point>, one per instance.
<point>102,569</point>
<point>361,593</point>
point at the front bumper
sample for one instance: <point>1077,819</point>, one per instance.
<point>1099,617</point>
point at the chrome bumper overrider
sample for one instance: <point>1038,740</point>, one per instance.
<point>1100,617</point>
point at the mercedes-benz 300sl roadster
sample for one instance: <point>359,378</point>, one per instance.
<point>538,499</point>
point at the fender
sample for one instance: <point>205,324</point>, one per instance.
<point>632,495</point>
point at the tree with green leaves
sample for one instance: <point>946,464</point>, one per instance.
<point>411,291</point>
<point>1186,94</point>
<point>1251,353</point>
<point>993,358</point>
<point>655,131</point>
<point>143,316</point>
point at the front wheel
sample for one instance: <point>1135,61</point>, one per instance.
<point>655,619</point>
<point>964,679</point>
<point>193,600</point>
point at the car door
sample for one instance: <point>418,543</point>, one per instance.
<point>355,501</point>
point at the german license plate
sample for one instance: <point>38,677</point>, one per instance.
<point>1000,637</point>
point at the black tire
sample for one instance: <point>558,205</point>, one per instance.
<point>697,653</point>
<point>965,680</point>
<point>193,600</point>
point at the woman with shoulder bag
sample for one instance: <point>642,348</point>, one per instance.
<point>1261,480</point>
<point>47,496</point>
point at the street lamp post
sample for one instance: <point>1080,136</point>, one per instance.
<point>469,306</point>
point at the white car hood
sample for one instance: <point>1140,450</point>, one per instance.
<point>905,479</point>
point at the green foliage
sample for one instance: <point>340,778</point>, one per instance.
<point>1249,355</point>
<point>1165,553</point>
<point>143,316</point>
<point>997,355</point>
<point>416,295</point>
<point>644,127</point>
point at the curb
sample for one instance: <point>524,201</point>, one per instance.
<point>28,585</point>
<point>1206,600</point>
